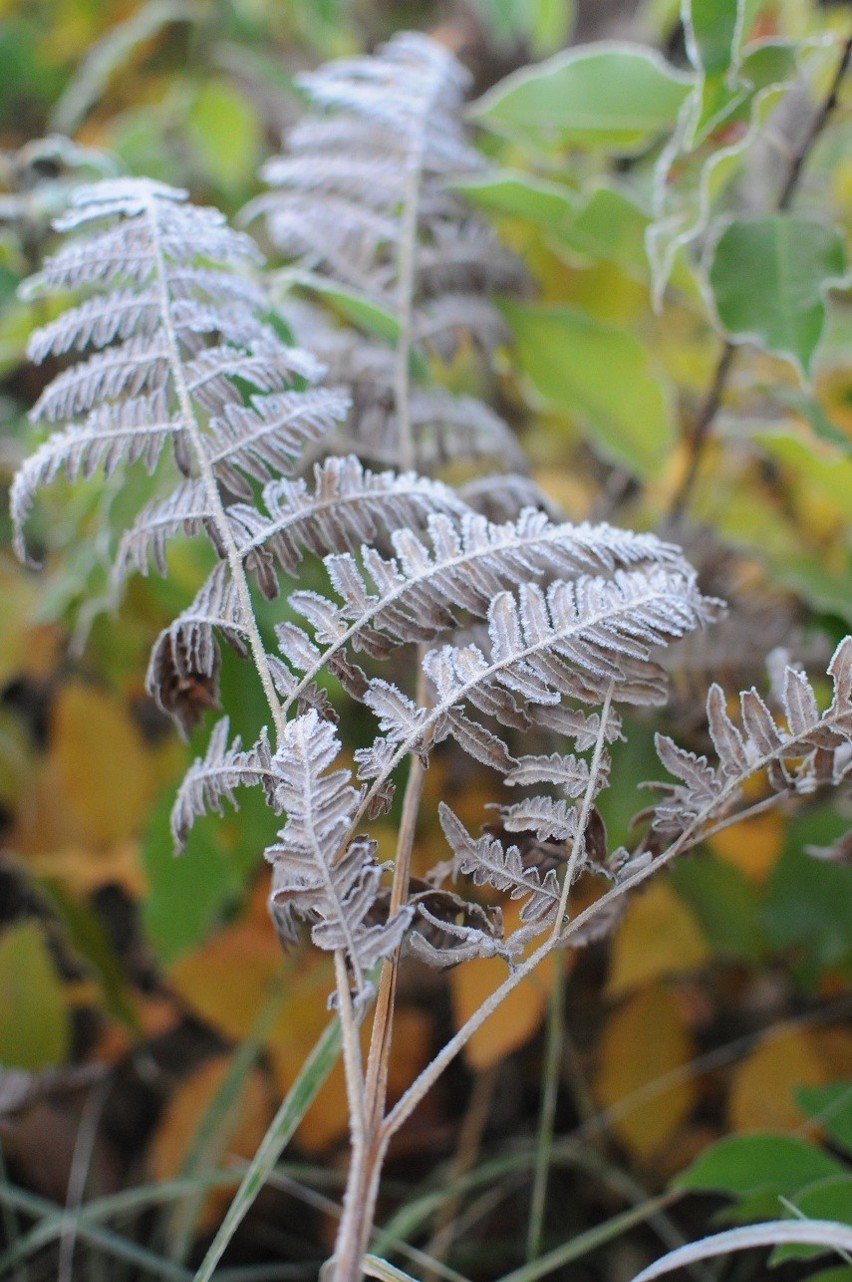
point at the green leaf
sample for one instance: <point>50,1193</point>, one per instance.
<point>611,226</point>
<point>713,30</point>
<point>603,375</point>
<point>544,25</point>
<point>840,1273</point>
<point>34,1027</point>
<point>88,937</point>
<point>357,308</point>
<point>831,1107</point>
<point>697,171</point>
<point>190,891</point>
<point>609,96</point>
<point>225,134</point>
<point>725,903</point>
<point>827,1199</point>
<point>758,1170</point>
<point>768,276</point>
<point>808,903</point>
<point>544,204</point>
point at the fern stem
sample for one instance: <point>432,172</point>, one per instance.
<point>205,468</point>
<point>579,844</point>
<point>375,1089</point>
<point>422,1084</point>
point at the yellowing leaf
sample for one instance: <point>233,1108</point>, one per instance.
<point>240,1133</point>
<point>659,936</point>
<point>84,869</point>
<point>753,845</point>
<point>94,785</point>
<point>34,1028</point>
<point>225,981</point>
<point>643,1044</point>
<point>761,1097</point>
<point>516,1019</point>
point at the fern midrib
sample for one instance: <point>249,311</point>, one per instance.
<point>460,694</point>
<point>325,865</point>
<point>234,559</point>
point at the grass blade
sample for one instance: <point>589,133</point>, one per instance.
<point>293,1108</point>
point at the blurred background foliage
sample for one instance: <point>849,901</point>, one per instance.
<point>145,998</point>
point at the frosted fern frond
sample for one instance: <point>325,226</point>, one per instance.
<point>346,506</point>
<point>447,929</point>
<point>211,779</point>
<point>184,511</point>
<point>382,130</point>
<point>265,439</point>
<point>812,749</point>
<point>363,196</point>
<point>169,344</point>
<point>183,671</point>
<point>571,642</point>
<point>335,897</point>
<point>488,862</point>
<point>428,588</point>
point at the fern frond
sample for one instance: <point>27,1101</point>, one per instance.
<point>111,435</point>
<point>796,758</point>
<point>487,861</point>
<point>174,340</point>
<point>346,506</point>
<point>264,439</point>
<point>183,671</point>
<point>184,511</point>
<point>211,779</point>
<point>336,898</point>
<point>571,641</point>
<point>428,588</point>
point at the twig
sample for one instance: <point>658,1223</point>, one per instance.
<point>710,406</point>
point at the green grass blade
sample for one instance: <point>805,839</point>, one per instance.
<point>122,1248</point>
<point>293,1108</point>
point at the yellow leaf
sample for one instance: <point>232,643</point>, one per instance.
<point>239,1135</point>
<point>753,845</point>
<point>227,980</point>
<point>644,1042</point>
<point>761,1097</point>
<point>658,936</point>
<point>85,869</point>
<point>517,1018</point>
<point>95,783</point>
<point>34,1029</point>
<point>25,648</point>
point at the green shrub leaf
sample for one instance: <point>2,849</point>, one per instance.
<point>769,275</point>
<point>615,97</point>
<point>603,375</point>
